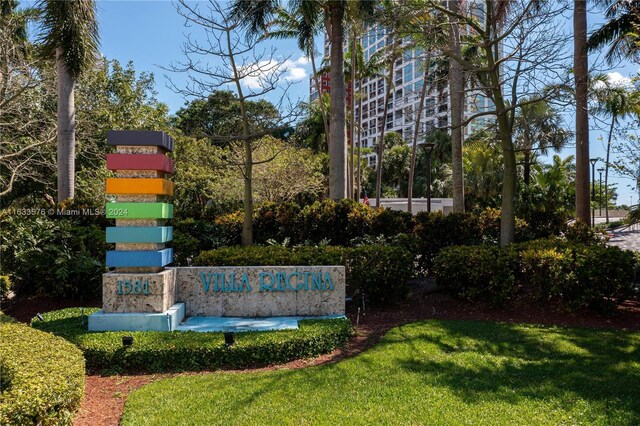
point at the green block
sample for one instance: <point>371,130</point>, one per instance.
<point>139,211</point>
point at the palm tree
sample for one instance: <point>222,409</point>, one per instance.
<point>255,14</point>
<point>621,32</point>
<point>358,70</point>
<point>616,102</point>
<point>301,24</point>
<point>392,19</point>
<point>456,96</point>
<point>69,33</point>
<point>581,74</point>
<point>538,127</point>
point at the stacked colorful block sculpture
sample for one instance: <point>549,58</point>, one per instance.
<point>141,190</point>
<point>139,283</point>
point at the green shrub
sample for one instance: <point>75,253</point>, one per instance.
<point>576,275</point>
<point>436,231</point>
<point>337,223</point>
<point>277,222</point>
<point>191,236</point>
<point>477,272</point>
<point>193,351</point>
<point>380,272</point>
<point>605,277</point>
<point>545,270</point>
<point>56,257</point>
<point>41,376</point>
<point>581,233</point>
<point>5,286</point>
<point>389,222</point>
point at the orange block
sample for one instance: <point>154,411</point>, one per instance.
<point>143,186</point>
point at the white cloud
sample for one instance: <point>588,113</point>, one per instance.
<point>292,70</point>
<point>615,79</point>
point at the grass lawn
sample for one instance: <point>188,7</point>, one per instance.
<point>431,372</point>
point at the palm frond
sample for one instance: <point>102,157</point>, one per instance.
<point>70,28</point>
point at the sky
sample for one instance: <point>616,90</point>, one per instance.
<point>151,34</point>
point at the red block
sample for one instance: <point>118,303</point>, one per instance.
<point>158,162</point>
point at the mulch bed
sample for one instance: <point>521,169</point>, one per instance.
<point>105,396</point>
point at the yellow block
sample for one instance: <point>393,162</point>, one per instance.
<point>152,186</point>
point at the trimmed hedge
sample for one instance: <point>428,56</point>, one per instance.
<point>193,351</point>
<point>576,275</point>
<point>41,376</point>
<point>380,272</point>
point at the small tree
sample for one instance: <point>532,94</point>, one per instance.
<point>248,72</point>
<point>511,51</point>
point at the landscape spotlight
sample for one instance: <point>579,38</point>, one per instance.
<point>39,316</point>
<point>127,341</point>
<point>229,338</point>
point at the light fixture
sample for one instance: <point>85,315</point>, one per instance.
<point>39,316</point>
<point>229,338</point>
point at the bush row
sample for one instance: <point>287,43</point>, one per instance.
<point>346,222</point>
<point>41,376</point>
<point>192,351</point>
<point>576,275</point>
<point>377,271</point>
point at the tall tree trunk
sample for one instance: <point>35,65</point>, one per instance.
<point>527,166</point>
<point>323,112</point>
<point>247,172</point>
<point>416,131</point>
<point>352,138</point>
<point>393,55</point>
<point>359,153</point>
<point>581,70</point>
<point>66,143</point>
<point>456,95</point>
<point>337,150</point>
<point>606,169</point>
<point>247,223</point>
<point>383,128</point>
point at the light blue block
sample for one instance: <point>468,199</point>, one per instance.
<point>139,258</point>
<point>238,324</point>
<point>139,234</point>
<point>163,321</point>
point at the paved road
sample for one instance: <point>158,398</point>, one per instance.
<point>627,238</point>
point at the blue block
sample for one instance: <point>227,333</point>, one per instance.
<point>139,234</point>
<point>139,258</point>
<point>162,321</point>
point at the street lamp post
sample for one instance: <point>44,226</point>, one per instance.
<point>593,162</point>
<point>600,170</point>
<point>428,147</point>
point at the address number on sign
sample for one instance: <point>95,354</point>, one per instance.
<point>127,287</point>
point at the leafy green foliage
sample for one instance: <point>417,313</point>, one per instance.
<point>155,351</point>
<point>56,257</point>
<point>477,272</point>
<point>578,276</point>
<point>379,272</point>
<point>430,372</point>
<point>337,223</point>
<point>41,377</point>
<point>218,119</point>
<point>5,286</point>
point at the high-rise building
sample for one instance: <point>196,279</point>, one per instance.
<point>408,73</point>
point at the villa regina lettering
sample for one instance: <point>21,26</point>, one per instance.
<point>216,282</point>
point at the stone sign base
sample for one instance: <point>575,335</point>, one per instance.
<point>261,291</point>
<point>149,301</point>
<point>162,321</point>
<point>138,292</point>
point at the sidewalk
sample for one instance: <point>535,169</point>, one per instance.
<point>627,238</point>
